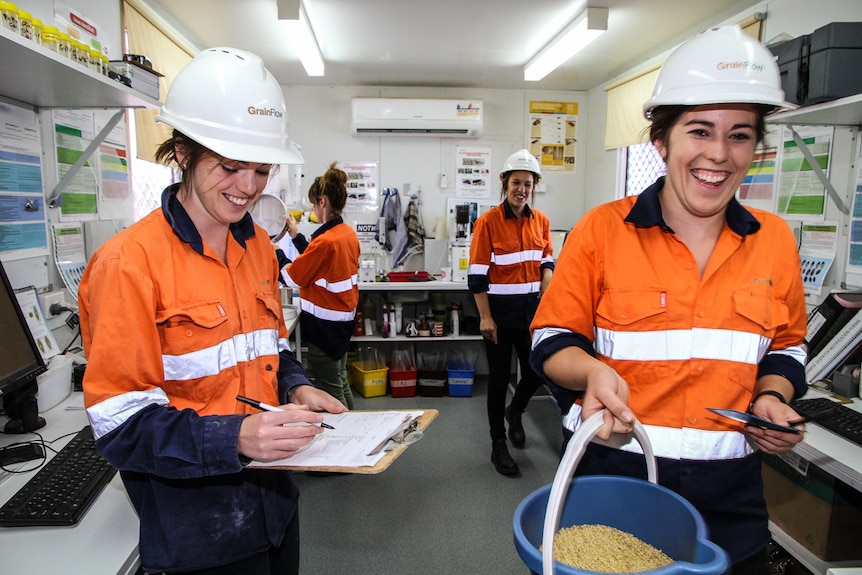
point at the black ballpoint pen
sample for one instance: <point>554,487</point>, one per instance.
<point>266,407</point>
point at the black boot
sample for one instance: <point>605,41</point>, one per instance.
<point>501,459</point>
<point>516,428</point>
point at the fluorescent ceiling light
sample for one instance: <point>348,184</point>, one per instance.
<point>301,36</point>
<point>585,28</point>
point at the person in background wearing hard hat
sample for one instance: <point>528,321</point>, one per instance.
<point>511,264</point>
<point>327,275</point>
<point>180,313</point>
<point>681,299</point>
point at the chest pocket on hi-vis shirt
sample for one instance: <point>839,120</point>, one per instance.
<point>193,323</point>
<point>625,308</point>
<point>268,308</point>
<point>759,312</point>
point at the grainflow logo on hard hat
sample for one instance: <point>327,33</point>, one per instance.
<point>753,66</point>
<point>264,112</point>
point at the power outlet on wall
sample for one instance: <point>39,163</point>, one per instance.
<point>54,297</point>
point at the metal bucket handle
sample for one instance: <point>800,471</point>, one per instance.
<point>574,452</point>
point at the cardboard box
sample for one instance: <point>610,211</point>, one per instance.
<point>820,512</point>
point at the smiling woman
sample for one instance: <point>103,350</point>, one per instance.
<point>181,313</point>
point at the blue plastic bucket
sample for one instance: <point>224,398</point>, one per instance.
<point>650,512</point>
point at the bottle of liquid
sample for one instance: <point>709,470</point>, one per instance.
<point>399,318</point>
<point>454,321</point>
<point>393,325</point>
<point>385,331</point>
<point>358,326</point>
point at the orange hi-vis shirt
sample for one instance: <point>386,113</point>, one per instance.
<point>507,256</point>
<point>626,284</point>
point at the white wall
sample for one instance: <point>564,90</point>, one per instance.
<point>320,122</point>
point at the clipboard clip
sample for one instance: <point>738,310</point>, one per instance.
<point>407,435</point>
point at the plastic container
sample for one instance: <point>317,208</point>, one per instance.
<point>431,383</point>
<point>420,276</point>
<point>37,30</point>
<point>650,512</point>
<point>461,382</point>
<point>367,379</point>
<point>83,54</point>
<point>25,24</point>
<point>402,383</point>
<point>64,45</point>
<point>51,38</point>
<point>9,12</point>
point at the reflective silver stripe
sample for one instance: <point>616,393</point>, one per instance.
<point>478,269</point>
<point>324,313</point>
<point>284,344</point>
<point>687,443</point>
<point>288,280</point>
<point>226,354</point>
<point>516,257</point>
<point>678,345</point>
<point>796,352</point>
<point>548,259</point>
<point>542,334</point>
<point>339,286</point>
<point>513,289</point>
<point>111,413</point>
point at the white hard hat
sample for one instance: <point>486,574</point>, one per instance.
<point>521,160</point>
<point>226,100</point>
<point>719,66</point>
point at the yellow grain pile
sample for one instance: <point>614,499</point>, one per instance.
<point>605,549</point>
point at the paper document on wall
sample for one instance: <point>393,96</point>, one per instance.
<point>355,441</point>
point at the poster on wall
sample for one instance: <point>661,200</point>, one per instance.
<point>362,190</point>
<point>553,134</point>
<point>758,189</point>
<point>817,248</point>
<point>853,273</point>
<point>474,173</point>
<point>69,254</point>
<point>801,194</point>
<point>73,132</point>
<point>23,218</point>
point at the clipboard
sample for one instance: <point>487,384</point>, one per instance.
<point>428,415</point>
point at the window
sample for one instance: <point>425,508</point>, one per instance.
<point>643,166</point>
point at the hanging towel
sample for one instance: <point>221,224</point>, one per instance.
<point>415,229</point>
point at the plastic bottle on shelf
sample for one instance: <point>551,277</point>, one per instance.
<point>358,325</point>
<point>9,13</point>
<point>37,30</point>
<point>51,38</point>
<point>25,24</point>
<point>385,322</point>
<point>399,318</point>
<point>454,321</point>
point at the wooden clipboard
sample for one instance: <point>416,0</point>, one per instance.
<point>428,415</point>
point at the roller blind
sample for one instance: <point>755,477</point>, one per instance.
<point>625,122</point>
<point>147,38</point>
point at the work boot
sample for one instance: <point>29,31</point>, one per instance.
<point>516,428</point>
<point>501,459</point>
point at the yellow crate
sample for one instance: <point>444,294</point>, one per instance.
<point>368,380</point>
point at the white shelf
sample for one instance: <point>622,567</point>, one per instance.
<point>808,559</point>
<point>431,285</point>
<point>423,339</point>
<point>33,74</point>
<point>842,112</point>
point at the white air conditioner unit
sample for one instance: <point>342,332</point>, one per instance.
<point>417,117</point>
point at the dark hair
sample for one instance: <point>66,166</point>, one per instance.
<point>504,181</point>
<point>664,118</point>
<point>333,186</point>
<point>194,153</point>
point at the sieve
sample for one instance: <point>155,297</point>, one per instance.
<point>268,212</point>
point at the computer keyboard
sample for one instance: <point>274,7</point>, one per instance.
<point>62,491</point>
<point>834,416</point>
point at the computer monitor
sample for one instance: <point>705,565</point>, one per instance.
<point>20,363</point>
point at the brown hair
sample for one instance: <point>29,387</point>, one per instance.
<point>665,117</point>
<point>333,186</point>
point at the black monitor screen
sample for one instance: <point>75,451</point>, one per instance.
<point>20,360</point>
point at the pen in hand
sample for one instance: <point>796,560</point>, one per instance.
<point>265,407</point>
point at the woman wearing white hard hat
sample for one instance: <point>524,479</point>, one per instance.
<point>682,299</point>
<point>180,314</point>
<point>511,264</point>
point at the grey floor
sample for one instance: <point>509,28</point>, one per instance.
<point>440,509</point>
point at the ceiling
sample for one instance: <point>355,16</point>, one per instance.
<point>452,43</point>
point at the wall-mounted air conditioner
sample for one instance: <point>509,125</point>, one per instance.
<point>417,117</point>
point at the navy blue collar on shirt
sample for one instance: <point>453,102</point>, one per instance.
<point>647,212</point>
<point>327,226</point>
<point>185,229</point>
<point>510,213</point>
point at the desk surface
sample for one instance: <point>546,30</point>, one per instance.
<point>104,542</point>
